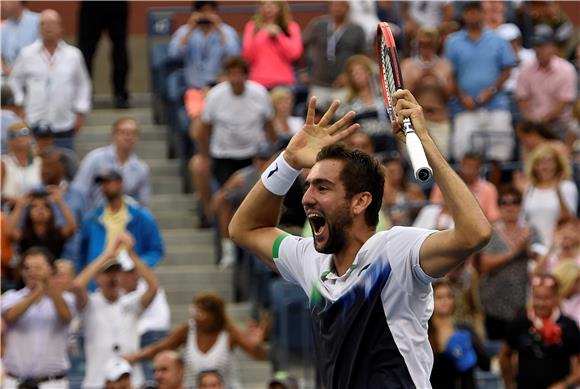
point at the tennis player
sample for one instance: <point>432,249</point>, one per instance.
<point>370,293</point>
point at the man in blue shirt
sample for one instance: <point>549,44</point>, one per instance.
<point>19,29</point>
<point>203,44</point>
<point>482,62</point>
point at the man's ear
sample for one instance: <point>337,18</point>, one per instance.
<point>360,202</point>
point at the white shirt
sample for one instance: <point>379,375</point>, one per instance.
<point>157,316</point>
<point>237,121</point>
<point>52,88</point>
<point>19,179</point>
<point>524,56</point>
<point>36,343</point>
<point>107,325</point>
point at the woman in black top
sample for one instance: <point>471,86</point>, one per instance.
<point>39,227</point>
<point>456,348</point>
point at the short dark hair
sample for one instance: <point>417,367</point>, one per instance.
<point>236,63</point>
<point>360,173</point>
<point>529,127</point>
<point>38,250</point>
<point>198,5</point>
<point>469,5</point>
<point>52,151</point>
<point>509,190</point>
<point>6,96</point>
<point>473,155</point>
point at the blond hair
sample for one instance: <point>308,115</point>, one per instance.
<point>284,15</point>
<point>542,151</point>
<point>357,59</point>
<point>279,93</point>
<point>567,274</point>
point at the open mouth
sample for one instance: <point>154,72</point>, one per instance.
<point>317,223</point>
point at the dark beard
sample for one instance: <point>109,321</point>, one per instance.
<point>336,233</point>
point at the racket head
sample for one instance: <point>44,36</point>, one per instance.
<point>389,66</point>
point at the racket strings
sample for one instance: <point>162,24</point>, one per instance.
<point>388,78</point>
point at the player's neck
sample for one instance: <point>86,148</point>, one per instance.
<point>345,258</point>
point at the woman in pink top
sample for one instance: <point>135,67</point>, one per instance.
<point>272,42</point>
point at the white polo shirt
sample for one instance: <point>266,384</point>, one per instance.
<point>110,330</point>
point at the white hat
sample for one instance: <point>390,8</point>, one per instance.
<point>509,31</point>
<point>116,368</point>
<point>126,262</point>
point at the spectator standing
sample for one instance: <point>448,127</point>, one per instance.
<point>44,139</point>
<point>112,16</point>
<point>20,167</point>
<point>484,191</point>
<point>19,29</point>
<point>481,62</point>
<point>546,87</point>
<point>110,318</point>
<point>53,174</point>
<point>37,319</point>
<point>456,347</point>
<point>238,115</point>
<point>549,196</point>
<point>169,370</point>
<point>155,321</point>
<point>10,114</point>
<point>512,34</point>
<point>547,343</point>
<point>118,214</point>
<point>272,43</point>
<point>209,329</point>
<point>119,155</point>
<point>330,40</point>
<point>203,44</point>
<point>503,265</point>
<point>49,79</point>
<point>39,228</point>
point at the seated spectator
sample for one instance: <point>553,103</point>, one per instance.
<point>33,223</point>
<point>565,247</point>
<point>110,318</point>
<point>362,97</point>
<point>64,274</point>
<point>456,347</point>
<point>19,29</point>
<point>37,319</point>
<point>484,113</point>
<point>546,87</point>
<point>20,167</point>
<point>549,13</point>
<point>209,329</point>
<point>10,114</point>
<point>50,81</point>
<point>549,195</point>
<point>203,44</point>
<point>433,100</point>
<point>53,173</point>
<point>531,135</point>
<point>44,139</point>
<point>119,155</point>
<point>169,370</point>
<point>210,379</point>
<point>361,142</point>
<point>283,122</point>
<point>118,214</point>
<point>568,275</point>
<point>503,265</point>
<point>272,43</point>
<point>330,40</point>
<point>418,15</point>
<point>400,195</point>
<point>118,374</point>
<point>546,342</point>
<point>237,116</point>
<point>425,62</point>
<point>484,191</point>
<point>283,380</point>
<point>155,321</point>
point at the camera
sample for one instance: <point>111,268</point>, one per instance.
<point>40,192</point>
<point>204,22</point>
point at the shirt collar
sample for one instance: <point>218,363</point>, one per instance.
<point>330,271</point>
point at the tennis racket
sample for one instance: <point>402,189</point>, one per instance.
<point>392,80</point>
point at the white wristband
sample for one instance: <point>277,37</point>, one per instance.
<point>279,176</point>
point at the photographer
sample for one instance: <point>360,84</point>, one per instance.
<point>39,227</point>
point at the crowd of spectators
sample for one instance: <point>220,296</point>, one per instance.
<point>498,83</point>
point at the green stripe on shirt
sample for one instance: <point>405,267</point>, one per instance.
<point>277,243</point>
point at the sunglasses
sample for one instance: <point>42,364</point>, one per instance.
<point>24,131</point>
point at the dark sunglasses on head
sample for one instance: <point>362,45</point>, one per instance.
<point>24,131</point>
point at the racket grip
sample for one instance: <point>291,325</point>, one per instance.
<point>421,168</point>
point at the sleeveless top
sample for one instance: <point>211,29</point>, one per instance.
<point>219,357</point>
<point>20,179</point>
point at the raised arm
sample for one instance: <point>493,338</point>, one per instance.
<point>444,250</point>
<point>170,342</point>
<point>13,222</point>
<point>70,224</point>
<point>79,284</point>
<point>254,224</point>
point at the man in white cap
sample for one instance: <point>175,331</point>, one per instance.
<point>512,34</point>
<point>118,374</point>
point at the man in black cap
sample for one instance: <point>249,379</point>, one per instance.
<point>117,215</point>
<point>44,138</point>
<point>546,87</point>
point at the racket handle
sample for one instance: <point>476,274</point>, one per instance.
<point>421,168</point>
